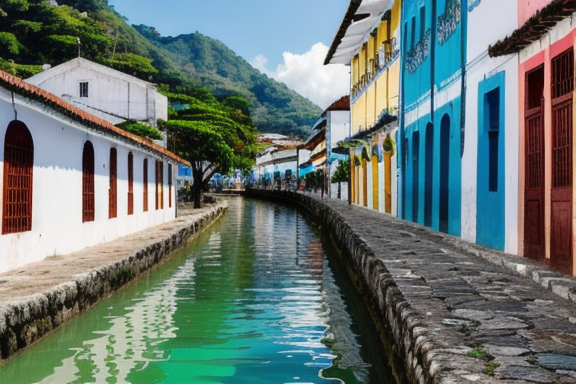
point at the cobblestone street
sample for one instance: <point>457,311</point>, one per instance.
<point>477,308</point>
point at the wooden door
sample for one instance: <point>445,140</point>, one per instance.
<point>534,166</point>
<point>561,194</point>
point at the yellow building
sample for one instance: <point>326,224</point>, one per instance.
<point>368,40</point>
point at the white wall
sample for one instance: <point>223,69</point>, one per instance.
<point>339,123</point>
<point>503,21</point>
<point>108,90</point>
<point>57,226</point>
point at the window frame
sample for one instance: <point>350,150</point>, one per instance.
<point>113,184</point>
<point>83,89</point>
<point>18,179</point>
<point>88,194</point>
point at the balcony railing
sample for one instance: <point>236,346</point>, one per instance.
<point>385,56</point>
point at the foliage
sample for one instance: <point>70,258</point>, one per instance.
<point>490,366</point>
<point>20,70</point>
<point>12,5</point>
<point>9,44</point>
<point>141,130</point>
<point>34,33</point>
<point>135,65</point>
<point>213,136</point>
<point>342,173</point>
<point>200,141</point>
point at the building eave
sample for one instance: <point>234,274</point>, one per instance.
<point>360,19</point>
<point>534,28</point>
<point>24,89</point>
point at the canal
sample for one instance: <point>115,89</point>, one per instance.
<point>257,298</point>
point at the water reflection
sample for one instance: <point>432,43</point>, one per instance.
<point>254,301</point>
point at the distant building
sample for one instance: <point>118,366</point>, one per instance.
<point>279,159</point>
<point>104,92</point>
<point>332,127</point>
<point>70,180</point>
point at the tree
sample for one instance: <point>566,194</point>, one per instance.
<point>212,137</point>
<point>10,5</point>
<point>342,174</point>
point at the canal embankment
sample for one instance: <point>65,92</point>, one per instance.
<point>451,311</point>
<point>39,297</point>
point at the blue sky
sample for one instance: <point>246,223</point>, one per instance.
<point>287,40</point>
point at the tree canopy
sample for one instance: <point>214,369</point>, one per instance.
<point>214,136</point>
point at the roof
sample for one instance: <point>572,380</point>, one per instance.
<point>84,63</point>
<point>314,139</point>
<point>342,104</point>
<point>534,28</point>
<point>360,18</point>
<point>19,86</point>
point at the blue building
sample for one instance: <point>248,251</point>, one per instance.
<point>432,119</point>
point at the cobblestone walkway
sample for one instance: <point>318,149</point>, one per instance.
<point>491,317</point>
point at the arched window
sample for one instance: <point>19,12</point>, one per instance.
<point>112,191</point>
<point>88,182</point>
<point>130,183</point>
<point>18,167</point>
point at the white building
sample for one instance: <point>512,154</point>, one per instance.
<point>102,91</point>
<point>71,180</point>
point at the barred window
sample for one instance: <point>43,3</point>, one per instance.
<point>18,169</point>
<point>159,186</point>
<point>84,89</point>
<point>112,191</point>
<point>88,182</point>
<point>145,184</point>
<point>170,185</point>
<point>130,183</point>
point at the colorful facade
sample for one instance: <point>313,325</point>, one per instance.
<point>544,46</point>
<point>458,129</point>
<point>369,41</point>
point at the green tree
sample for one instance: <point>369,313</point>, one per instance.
<point>342,174</point>
<point>12,5</point>
<point>212,137</point>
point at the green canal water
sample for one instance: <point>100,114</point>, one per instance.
<point>256,299</point>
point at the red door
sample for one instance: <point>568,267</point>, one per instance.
<point>534,166</point>
<point>561,207</point>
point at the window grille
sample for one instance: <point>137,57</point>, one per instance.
<point>159,179</point>
<point>18,172</point>
<point>130,183</point>
<point>112,191</point>
<point>88,182</point>
<point>534,141</point>
<point>84,89</point>
<point>145,184</point>
<point>170,185</point>
<point>562,87</point>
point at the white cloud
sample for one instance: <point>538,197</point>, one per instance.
<point>307,75</point>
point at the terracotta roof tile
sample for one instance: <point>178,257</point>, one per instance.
<point>23,88</point>
<point>342,104</point>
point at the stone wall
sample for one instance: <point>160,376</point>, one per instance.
<point>397,323</point>
<point>25,320</point>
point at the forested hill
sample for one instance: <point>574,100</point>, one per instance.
<point>211,63</point>
<point>37,32</point>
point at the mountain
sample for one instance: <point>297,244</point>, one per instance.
<point>209,62</point>
<point>37,32</point>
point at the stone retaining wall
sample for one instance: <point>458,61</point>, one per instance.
<point>22,322</point>
<point>398,324</point>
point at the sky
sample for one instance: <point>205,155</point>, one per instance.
<point>286,40</point>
